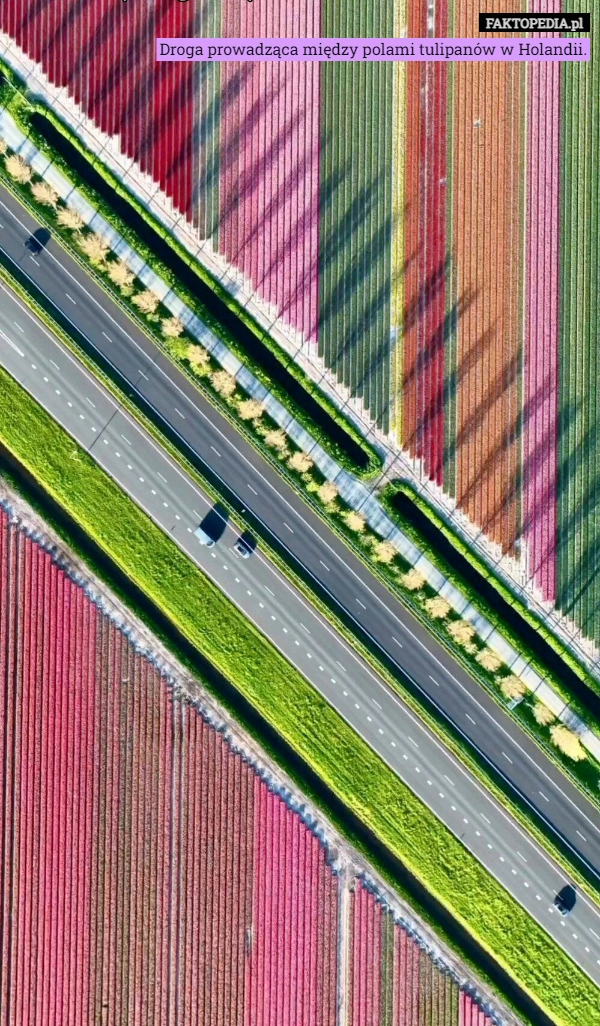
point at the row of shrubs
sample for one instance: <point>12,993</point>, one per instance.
<point>252,413</point>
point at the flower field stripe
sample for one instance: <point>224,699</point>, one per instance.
<point>578,589</point>
<point>542,297</point>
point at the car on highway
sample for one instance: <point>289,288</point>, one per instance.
<point>204,537</point>
<point>37,241</point>
<point>212,527</point>
<point>565,900</point>
<point>245,545</point>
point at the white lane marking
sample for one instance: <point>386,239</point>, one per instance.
<point>507,757</point>
<point>451,782</point>
<point>107,337</point>
<point>324,564</point>
<point>143,375</point>
<point>74,301</point>
<point>305,628</point>
<point>434,681</point>
<point>470,718</point>
<point>182,415</point>
<point>594,933</point>
<point>375,702</point>
<point>34,260</point>
<point>18,327</point>
<point>90,401</point>
<point>343,668</point>
<point>13,346</point>
<point>125,439</point>
<point>544,796</point>
<point>581,835</point>
<point>252,489</point>
<point>54,364</point>
<point>290,529</point>
<point>216,451</point>
<point>413,742</point>
<point>162,477</point>
<point>521,856</point>
<point>483,816</point>
<point>269,590</point>
<point>361,603</point>
<point>398,643</point>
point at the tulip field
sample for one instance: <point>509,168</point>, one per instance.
<point>430,230</point>
<point>148,872</point>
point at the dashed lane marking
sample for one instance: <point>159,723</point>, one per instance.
<point>107,337</point>
<point>324,564</point>
<point>507,757</point>
<point>361,604</point>
<point>182,415</point>
<point>74,301</point>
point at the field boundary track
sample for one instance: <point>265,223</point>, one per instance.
<point>356,776</point>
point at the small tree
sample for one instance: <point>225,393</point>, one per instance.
<point>94,247</point>
<point>327,493</point>
<point>146,301</point>
<point>300,462</point>
<point>277,440</point>
<point>224,383</point>
<point>251,409</point>
<point>355,521</point>
<point>413,580</point>
<point>512,687</point>
<point>44,194</point>
<point>542,714</point>
<point>489,659</point>
<point>462,632</point>
<point>18,169</point>
<point>199,360</point>
<point>119,273</point>
<point>437,607</point>
<point>567,742</point>
<point>171,327</point>
<point>69,218</point>
<point>3,147</point>
<point>384,552</point>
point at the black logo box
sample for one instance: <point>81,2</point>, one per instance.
<point>517,22</point>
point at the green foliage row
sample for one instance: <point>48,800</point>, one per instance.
<point>285,699</point>
<point>386,498</point>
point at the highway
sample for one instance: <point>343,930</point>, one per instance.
<point>174,501</point>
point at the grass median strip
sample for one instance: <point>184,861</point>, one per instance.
<point>282,696</point>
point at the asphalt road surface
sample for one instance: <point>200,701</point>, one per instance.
<point>172,499</point>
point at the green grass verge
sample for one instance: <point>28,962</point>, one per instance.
<point>21,107</point>
<point>285,700</point>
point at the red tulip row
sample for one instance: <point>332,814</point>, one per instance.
<point>542,321</point>
<point>425,295</point>
<point>409,991</point>
<point>147,873</point>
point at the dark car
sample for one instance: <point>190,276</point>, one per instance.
<point>38,241</point>
<point>245,545</point>
<point>565,900</point>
